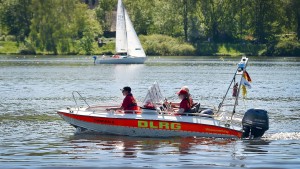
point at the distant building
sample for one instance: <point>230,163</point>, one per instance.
<point>91,3</point>
<point>110,18</point>
<point>110,24</point>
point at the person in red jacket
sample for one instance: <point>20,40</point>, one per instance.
<point>129,102</point>
<point>189,95</point>
<point>185,105</point>
<point>185,88</point>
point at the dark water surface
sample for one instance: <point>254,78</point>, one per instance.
<point>32,135</point>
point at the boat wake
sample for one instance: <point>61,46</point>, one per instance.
<point>282,136</point>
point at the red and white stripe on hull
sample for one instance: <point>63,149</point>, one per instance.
<point>149,125</point>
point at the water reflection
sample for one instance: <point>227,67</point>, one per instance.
<point>256,146</point>
<point>127,75</point>
<point>132,146</point>
<point>34,136</point>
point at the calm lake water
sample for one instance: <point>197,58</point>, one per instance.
<point>32,135</point>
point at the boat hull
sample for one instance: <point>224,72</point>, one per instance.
<point>125,60</point>
<point>146,127</point>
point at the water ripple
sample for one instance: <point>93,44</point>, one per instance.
<point>34,136</point>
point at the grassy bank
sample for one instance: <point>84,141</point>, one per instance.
<point>161,45</point>
<point>227,49</point>
<point>166,46</point>
<point>9,47</point>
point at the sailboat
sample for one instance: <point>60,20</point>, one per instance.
<point>128,46</point>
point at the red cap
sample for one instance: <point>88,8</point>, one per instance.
<point>184,92</point>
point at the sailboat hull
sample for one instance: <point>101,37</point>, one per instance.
<point>125,60</point>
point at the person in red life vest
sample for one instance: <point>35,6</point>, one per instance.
<point>185,105</point>
<point>185,88</point>
<point>188,91</point>
<point>129,102</point>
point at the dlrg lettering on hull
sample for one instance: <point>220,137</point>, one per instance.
<point>159,125</point>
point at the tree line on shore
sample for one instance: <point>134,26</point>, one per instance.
<point>195,27</point>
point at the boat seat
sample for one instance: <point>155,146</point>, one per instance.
<point>148,108</point>
<point>207,112</point>
<point>195,108</point>
<point>193,112</point>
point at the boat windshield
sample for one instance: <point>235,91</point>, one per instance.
<point>154,97</point>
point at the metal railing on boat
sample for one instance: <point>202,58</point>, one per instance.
<point>81,98</point>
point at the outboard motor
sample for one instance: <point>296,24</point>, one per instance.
<point>255,122</point>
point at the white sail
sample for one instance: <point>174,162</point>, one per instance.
<point>121,37</point>
<point>127,42</point>
<point>134,46</point>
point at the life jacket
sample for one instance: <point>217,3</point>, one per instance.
<point>188,108</point>
<point>132,105</point>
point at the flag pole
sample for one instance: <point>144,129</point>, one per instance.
<point>242,65</point>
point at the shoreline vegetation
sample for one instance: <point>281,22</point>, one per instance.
<point>168,28</point>
<point>162,45</point>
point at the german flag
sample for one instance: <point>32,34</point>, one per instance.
<point>247,77</point>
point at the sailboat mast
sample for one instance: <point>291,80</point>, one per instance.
<point>125,25</point>
<point>121,37</point>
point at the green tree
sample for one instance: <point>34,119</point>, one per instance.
<point>264,19</point>
<point>56,24</point>
<point>212,11</point>
<point>91,30</point>
<point>141,15</point>
<point>167,18</point>
<point>293,16</point>
<point>105,13</point>
<point>15,16</point>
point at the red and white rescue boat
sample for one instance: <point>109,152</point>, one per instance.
<point>158,121</point>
